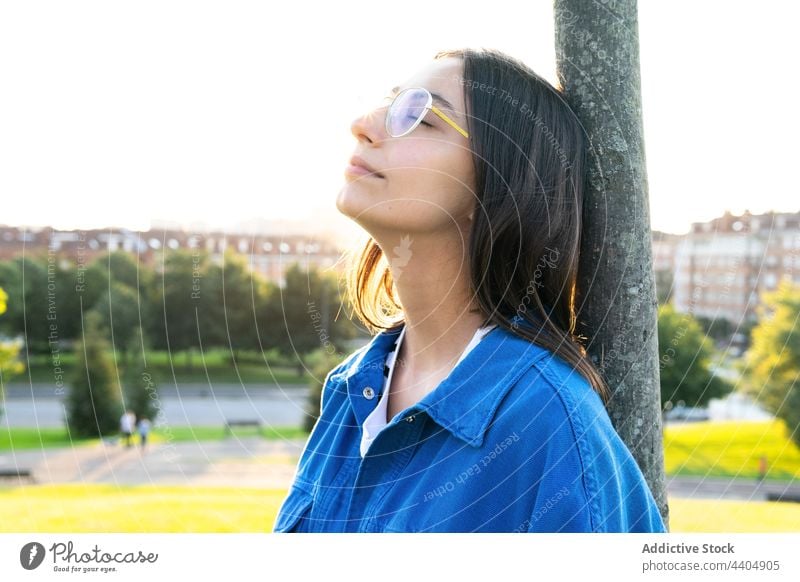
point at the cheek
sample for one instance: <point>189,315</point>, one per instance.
<point>441,170</point>
<point>450,182</point>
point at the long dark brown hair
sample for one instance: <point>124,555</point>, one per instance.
<point>530,155</point>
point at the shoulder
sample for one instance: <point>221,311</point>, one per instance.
<point>559,393</point>
<point>583,466</point>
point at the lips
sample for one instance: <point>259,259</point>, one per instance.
<point>362,163</point>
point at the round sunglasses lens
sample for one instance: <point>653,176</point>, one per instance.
<point>407,108</point>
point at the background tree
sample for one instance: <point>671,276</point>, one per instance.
<point>597,62</point>
<point>685,359</point>
<point>123,268</point>
<point>25,281</point>
<point>55,296</point>
<point>140,389</point>
<point>309,307</point>
<point>230,294</point>
<point>716,328</point>
<point>88,287</point>
<point>94,403</point>
<point>119,313</point>
<point>9,352</point>
<point>268,317</point>
<point>126,299</point>
<point>10,281</point>
<point>68,302</point>
<point>320,362</point>
<point>177,299</point>
<point>773,360</point>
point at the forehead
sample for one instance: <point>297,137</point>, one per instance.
<point>442,76</point>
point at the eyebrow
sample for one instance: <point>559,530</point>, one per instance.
<point>437,98</point>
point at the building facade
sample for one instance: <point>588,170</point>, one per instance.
<point>268,255</point>
<point>723,267</point>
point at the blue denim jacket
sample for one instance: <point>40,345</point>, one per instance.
<point>513,440</point>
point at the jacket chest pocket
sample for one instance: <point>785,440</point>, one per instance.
<point>294,511</point>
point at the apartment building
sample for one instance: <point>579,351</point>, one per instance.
<point>269,255</point>
<point>723,267</point>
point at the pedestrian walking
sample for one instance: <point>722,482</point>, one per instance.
<point>144,430</point>
<point>126,425</point>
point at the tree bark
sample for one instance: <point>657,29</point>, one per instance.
<point>597,60</point>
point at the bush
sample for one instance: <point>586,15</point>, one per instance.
<point>9,351</point>
<point>773,360</point>
<point>320,362</point>
<point>94,403</point>
<point>141,392</point>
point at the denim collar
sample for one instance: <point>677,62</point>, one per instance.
<point>465,402</point>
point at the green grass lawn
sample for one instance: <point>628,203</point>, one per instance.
<point>216,364</point>
<point>711,449</point>
<point>731,449</point>
<point>32,438</point>
<point>109,508</point>
<point>707,449</point>
<point>117,509</point>
<point>731,516</point>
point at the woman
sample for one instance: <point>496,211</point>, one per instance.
<point>475,409</point>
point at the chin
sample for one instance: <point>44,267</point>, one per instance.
<point>346,201</point>
<point>372,219</point>
<point>355,197</point>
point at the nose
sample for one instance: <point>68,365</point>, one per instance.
<point>371,125</point>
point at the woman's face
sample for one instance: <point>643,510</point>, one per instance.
<point>426,182</point>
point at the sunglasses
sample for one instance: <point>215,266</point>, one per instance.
<point>407,110</point>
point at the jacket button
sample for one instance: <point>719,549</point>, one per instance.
<point>369,393</point>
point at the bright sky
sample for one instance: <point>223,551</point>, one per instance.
<point>116,114</point>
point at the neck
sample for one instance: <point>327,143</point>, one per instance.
<point>434,289</point>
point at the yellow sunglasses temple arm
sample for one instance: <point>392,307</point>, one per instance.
<point>449,121</point>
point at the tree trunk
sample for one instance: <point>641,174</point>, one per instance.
<point>597,59</point>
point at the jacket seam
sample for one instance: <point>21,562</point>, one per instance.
<point>588,478</point>
<point>477,439</point>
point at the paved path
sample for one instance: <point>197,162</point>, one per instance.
<point>238,462</point>
<point>743,489</point>
<point>49,391</point>
<point>255,462</point>
<point>235,461</point>
<point>193,406</point>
